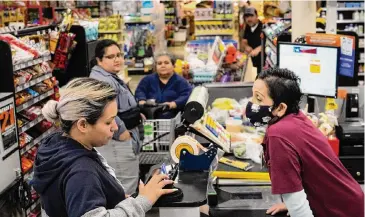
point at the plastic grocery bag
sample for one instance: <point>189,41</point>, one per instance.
<point>248,146</point>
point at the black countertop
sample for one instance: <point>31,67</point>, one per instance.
<point>194,187</point>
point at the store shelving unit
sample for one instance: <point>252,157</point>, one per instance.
<point>33,143</point>
<point>117,34</point>
<point>147,32</point>
<point>349,21</point>
<point>347,9</point>
<point>7,85</point>
<point>214,18</point>
<point>270,41</point>
<point>135,22</point>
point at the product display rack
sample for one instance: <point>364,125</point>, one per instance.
<point>92,8</point>
<point>214,19</point>
<point>269,37</point>
<point>24,150</point>
<point>143,30</point>
<point>116,34</point>
<point>135,22</point>
<point>170,20</point>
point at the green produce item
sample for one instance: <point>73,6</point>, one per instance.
<point>240,151</point>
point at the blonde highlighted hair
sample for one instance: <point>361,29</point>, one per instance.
<point>80,98</point>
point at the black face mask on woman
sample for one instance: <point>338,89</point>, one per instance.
<point>259,115</point>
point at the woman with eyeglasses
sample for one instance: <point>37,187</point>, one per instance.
<point>121,153</point>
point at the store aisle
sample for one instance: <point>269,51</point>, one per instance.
<point>135,81</point>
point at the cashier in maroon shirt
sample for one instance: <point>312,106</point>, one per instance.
<point>303,168</point>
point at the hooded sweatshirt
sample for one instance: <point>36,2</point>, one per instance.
<point>73,182</point>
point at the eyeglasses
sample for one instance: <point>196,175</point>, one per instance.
<point>114,56</point>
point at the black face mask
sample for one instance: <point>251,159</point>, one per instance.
<point>259,115</point>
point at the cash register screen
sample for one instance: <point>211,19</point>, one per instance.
<point>316,66</point>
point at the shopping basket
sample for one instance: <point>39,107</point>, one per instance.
<point>159,134</point>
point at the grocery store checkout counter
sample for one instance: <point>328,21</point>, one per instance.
<point>244,198</point>
<point>235,192</point>
<point>195,163</point>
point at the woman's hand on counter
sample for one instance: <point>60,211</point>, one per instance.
<point>142,102</point>
<point>172,105</point>
<point>277,208</point>
<point>125,136</point>
<point>153,189</point>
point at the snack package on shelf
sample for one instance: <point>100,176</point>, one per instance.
<point>17,46</point>
<point>66,43</point>
<point>49,83</point>
<point>91,29</point>
<point>32,113</point>
<point>35,74</point>
<point>22,97</point>
<point>38,42</point>
<point>44,126</point>
<point>21,121</point>
<point>43,87</point>
<point>32,92</point>
<point>32,153</point>
<point>25,75</point>
<point>24,139</point>
<point>21,77</point>
<point>53,41</point>
<point>46,67</point>
<point>27,164</point>
<point>38,69</point>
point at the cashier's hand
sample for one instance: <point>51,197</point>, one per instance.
<point>142,102</point>
<point>172,105</point>
<point>277,208</point>
<point>153,189</point>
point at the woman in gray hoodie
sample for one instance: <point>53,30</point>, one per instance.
<point>121,153</point>
<point>69,174</point>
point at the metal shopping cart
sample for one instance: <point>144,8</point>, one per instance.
<point>158,136</point>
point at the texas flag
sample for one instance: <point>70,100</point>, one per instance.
<point>305,50</point>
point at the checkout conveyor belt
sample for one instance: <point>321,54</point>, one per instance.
<point>237,198</point>
<point>247,201</point>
